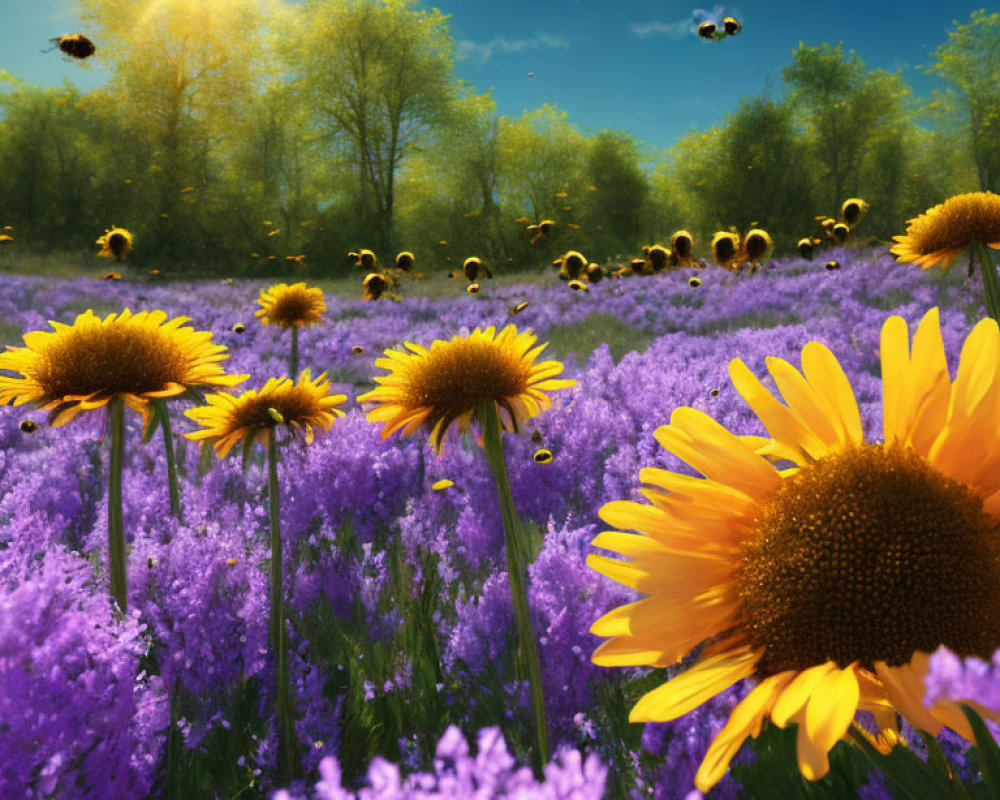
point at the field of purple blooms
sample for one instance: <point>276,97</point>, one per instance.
<point>402,633</point>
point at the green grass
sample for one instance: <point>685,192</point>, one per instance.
<point>584,337</point>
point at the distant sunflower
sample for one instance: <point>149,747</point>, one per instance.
<point>939,234</point>
<point>290,306</point>
<point>446,383</point>
<point>304,406</point>
<point>115,243</point>
<point>83,366</point>
<point>828,582</point>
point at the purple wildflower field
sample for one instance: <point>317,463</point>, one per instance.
<point>400,622</point>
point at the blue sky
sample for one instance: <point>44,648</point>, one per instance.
<point>625,64</point>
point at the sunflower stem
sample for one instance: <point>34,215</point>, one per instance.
<point>514,541</point>
<point>168,448</point>
<point>116,524</point>
<point>277,634</point>
<point>991,281</point>
<point>293,366</point>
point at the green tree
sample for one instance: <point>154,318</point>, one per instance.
<point>970,60</point>
<point>376,76</point>
<point>844,106</point>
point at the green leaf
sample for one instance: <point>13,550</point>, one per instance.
<point>907,776</point>
<point>205,459</point>
<point>159,408</point>
<point>986,750</point>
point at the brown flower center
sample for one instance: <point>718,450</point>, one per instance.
<point>869,555</point>
<point>110,360</point>
<point>455,378</point>
<point>293,308</point>
<point>957,223</point>
<point>294,404</point>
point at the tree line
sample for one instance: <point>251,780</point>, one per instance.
<point>230,140</point>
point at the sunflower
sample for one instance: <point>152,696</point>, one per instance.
<point>251,417</point>
<point>939,234</point>
<point>115,243</point>
<point>445,384</point>
<point>830,581</point>
<point>139,357</point>
<point>290,306</point>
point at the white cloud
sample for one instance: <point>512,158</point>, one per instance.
<point>672,30</point>
<point>482,52</point>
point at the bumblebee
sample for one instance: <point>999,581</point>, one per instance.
<point>832,266</point>
<point>363,259</point>
<point>694,281</point>
<point>239,327</point>
<point>519,307</point>
<point>756,245</point>
<point>840,231</point>
<point>571,266</point>
<point>374,286</point>
<point>404,261</point>
<point>542,456</point>
<point>806,247</point>
<point>713,393</point>
<point>852,210</point>
<point>6,239</point>
<point>358,350</point>
<point>731,26</point>
<point>706,30</point>
<point>111,276</point>
<point>657,258</point>
<point>682,247</point>
<point>473,266</point>
<point>725,246</point>
<point>472,288</point>
<point>28,426</point>
<point>75,45</point>
<point>578,286</point>
<point>594,273</point>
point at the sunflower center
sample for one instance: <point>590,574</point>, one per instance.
<point>456,378</point>
<point>111,360</point>
<point>957,223</point>
<point>294,404</point>
<point>292,308</point>
<point>869,555</point>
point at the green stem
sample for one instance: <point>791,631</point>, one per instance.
<point>116,524</point>
<point>294,365</point>
<point>168,447</point>
<point>277,634</point>
<point>991,281</point>
<point>515,546</point>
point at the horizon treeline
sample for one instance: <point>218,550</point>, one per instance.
<point>230,140</point>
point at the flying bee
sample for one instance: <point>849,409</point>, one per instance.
<point>594,272</point>
<point>725,246</point>
<point>806,247</point>
<point>28,426</point>
<point>363,259</point>
<point>756,245</point>
<point>543,229</point>
<point>571,265</point>
<point>853,210</point>
<point>519,307</point>
<point>657,258</point>
<point>715,25</point>
<point>707,30</point>
<point>404,261</point>
<point>358,350</point>
<point>374,286</point>
<point>472,288</point>
<point>115,243</point>
<point>578,286</point>
<point>542,456</point>
<point>536,436</point>
<point>6,238</point>
<point>682,246</point>
<point>832,266</point>
<point>827,225</point>
<point>111,276</point>
<point>840,231</point>
<point>473,266</point>
<point>239,327</point>
<point>731,26</point>
<point>713,393</point>
<point>74,45</point>
<point>694,281</point>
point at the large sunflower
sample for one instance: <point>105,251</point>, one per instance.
<point>828,581</point>
<point>252,417</point>
<point>447,383</point>
<point>139,357</point>
<point>290,306</point>
<point>941,233</point>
